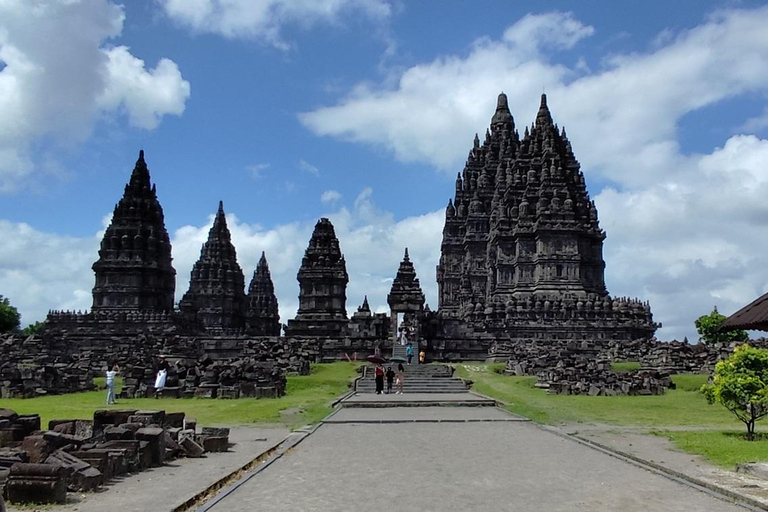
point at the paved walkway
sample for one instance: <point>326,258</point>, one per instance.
<point>163,489</point>
<point>447,466</point>
<point>373,400</point>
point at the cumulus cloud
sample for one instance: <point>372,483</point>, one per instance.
<point>257,170</point>
<point>59,78</point>
<point>685,231</point>
<point>41,271</point>
<point>265,20</point>
<point>330,196</point>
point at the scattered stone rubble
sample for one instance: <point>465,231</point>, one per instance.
<point>81,455</point>
<point>569,367</point>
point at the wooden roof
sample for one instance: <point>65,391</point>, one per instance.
<point>753,316</point>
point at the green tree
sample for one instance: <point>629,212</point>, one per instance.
<point>740,384</point>
<point>708,325</point>
<point>33,329</point>
<point>9,316</point>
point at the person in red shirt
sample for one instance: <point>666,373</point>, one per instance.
<point>379,373</point>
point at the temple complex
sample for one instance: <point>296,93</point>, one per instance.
<point>521,271</point>
<point>521,256</point>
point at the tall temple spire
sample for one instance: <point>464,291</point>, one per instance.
<point>134,270</point>
<point>502,116</point>
<point>323,282</point>
<point>263,318</point>
<point>543,117</point>
<point>216,295</point>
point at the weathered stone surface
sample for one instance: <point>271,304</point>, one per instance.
<point>36,483</point>
<point>155,436</point>
<point>263,318</point>
<point>214,443</point>
<point>190,447</point>
<point>80,475</point>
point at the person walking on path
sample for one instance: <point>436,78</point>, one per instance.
<point>111,374</point>
<point>409,353</point>
<point>379,374</point>
<point>399,378</point>
<point>390,377</point>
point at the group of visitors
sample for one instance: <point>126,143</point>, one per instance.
<point>160,378</point>
<point>391,376</point>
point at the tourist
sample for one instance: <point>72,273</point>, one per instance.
<point>399,378</point>
<point>422,357</point>
<point>379,373</point>
<point>390,377</point>
<point>111,374</point>
<point>162,374</point>
<point>409,353</point>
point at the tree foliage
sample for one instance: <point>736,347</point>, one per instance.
<point>708,325</point>
<point>33,329</point>
<point>9,316</point>
<point>740,384</point>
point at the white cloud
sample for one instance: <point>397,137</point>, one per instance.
<point>57,86</point>
<point>146,96</point>
<point>308,167</point>
<point>257,170</point>
<point>685,231</point>
<point>265,20</point>
<point>330,196</point>
<point>42,271</point>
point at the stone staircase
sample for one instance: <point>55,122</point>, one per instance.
<point>419,378</point>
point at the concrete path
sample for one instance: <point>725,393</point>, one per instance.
<point>447,466</point>
<point>165,488</point>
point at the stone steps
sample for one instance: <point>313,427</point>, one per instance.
<point>420,379</point>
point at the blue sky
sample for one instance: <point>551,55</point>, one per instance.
<point>363,111</point>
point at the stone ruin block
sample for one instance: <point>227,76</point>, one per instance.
<point>215,431</point>
<point>206,391</point>
<point>147,418</point>
<point>98,459</point>
<point>124,455</point>
<point>104,417</point>
<point>169,392</point>
<point>191,447</point>
<point>36,483</point>
<point>230,392</point>
<point>30,422</point>
<point>214,443</point>
<point>82,429</point>
<point>155,436</point>
<point>118,433</point>
<point>190,423</point>
<point>174,420</point>
<point>80,475</point>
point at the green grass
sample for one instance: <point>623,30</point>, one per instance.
<point>307,400</point>
<point>625,366</point>
<point>682,406</point>
<point>724,448</point>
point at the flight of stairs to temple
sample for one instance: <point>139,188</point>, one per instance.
<point>419,378</point>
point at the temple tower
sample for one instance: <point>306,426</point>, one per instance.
<point>216,296</point>
<point>405,297</point>
<point>134,270</point>
<point>522,250</point>
<point>322,286</point>
<point>263,318</point>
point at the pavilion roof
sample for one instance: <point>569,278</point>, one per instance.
<point>753,316</point>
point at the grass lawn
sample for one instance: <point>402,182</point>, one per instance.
<point>724,448</point>
<point>681,406</point>
<point>724,444</point>
<point>307,400</point>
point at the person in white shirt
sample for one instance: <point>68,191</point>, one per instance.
<point>111,374</point>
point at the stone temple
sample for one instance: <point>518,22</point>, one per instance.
<point>521,270</point>
<point>522,250</point>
